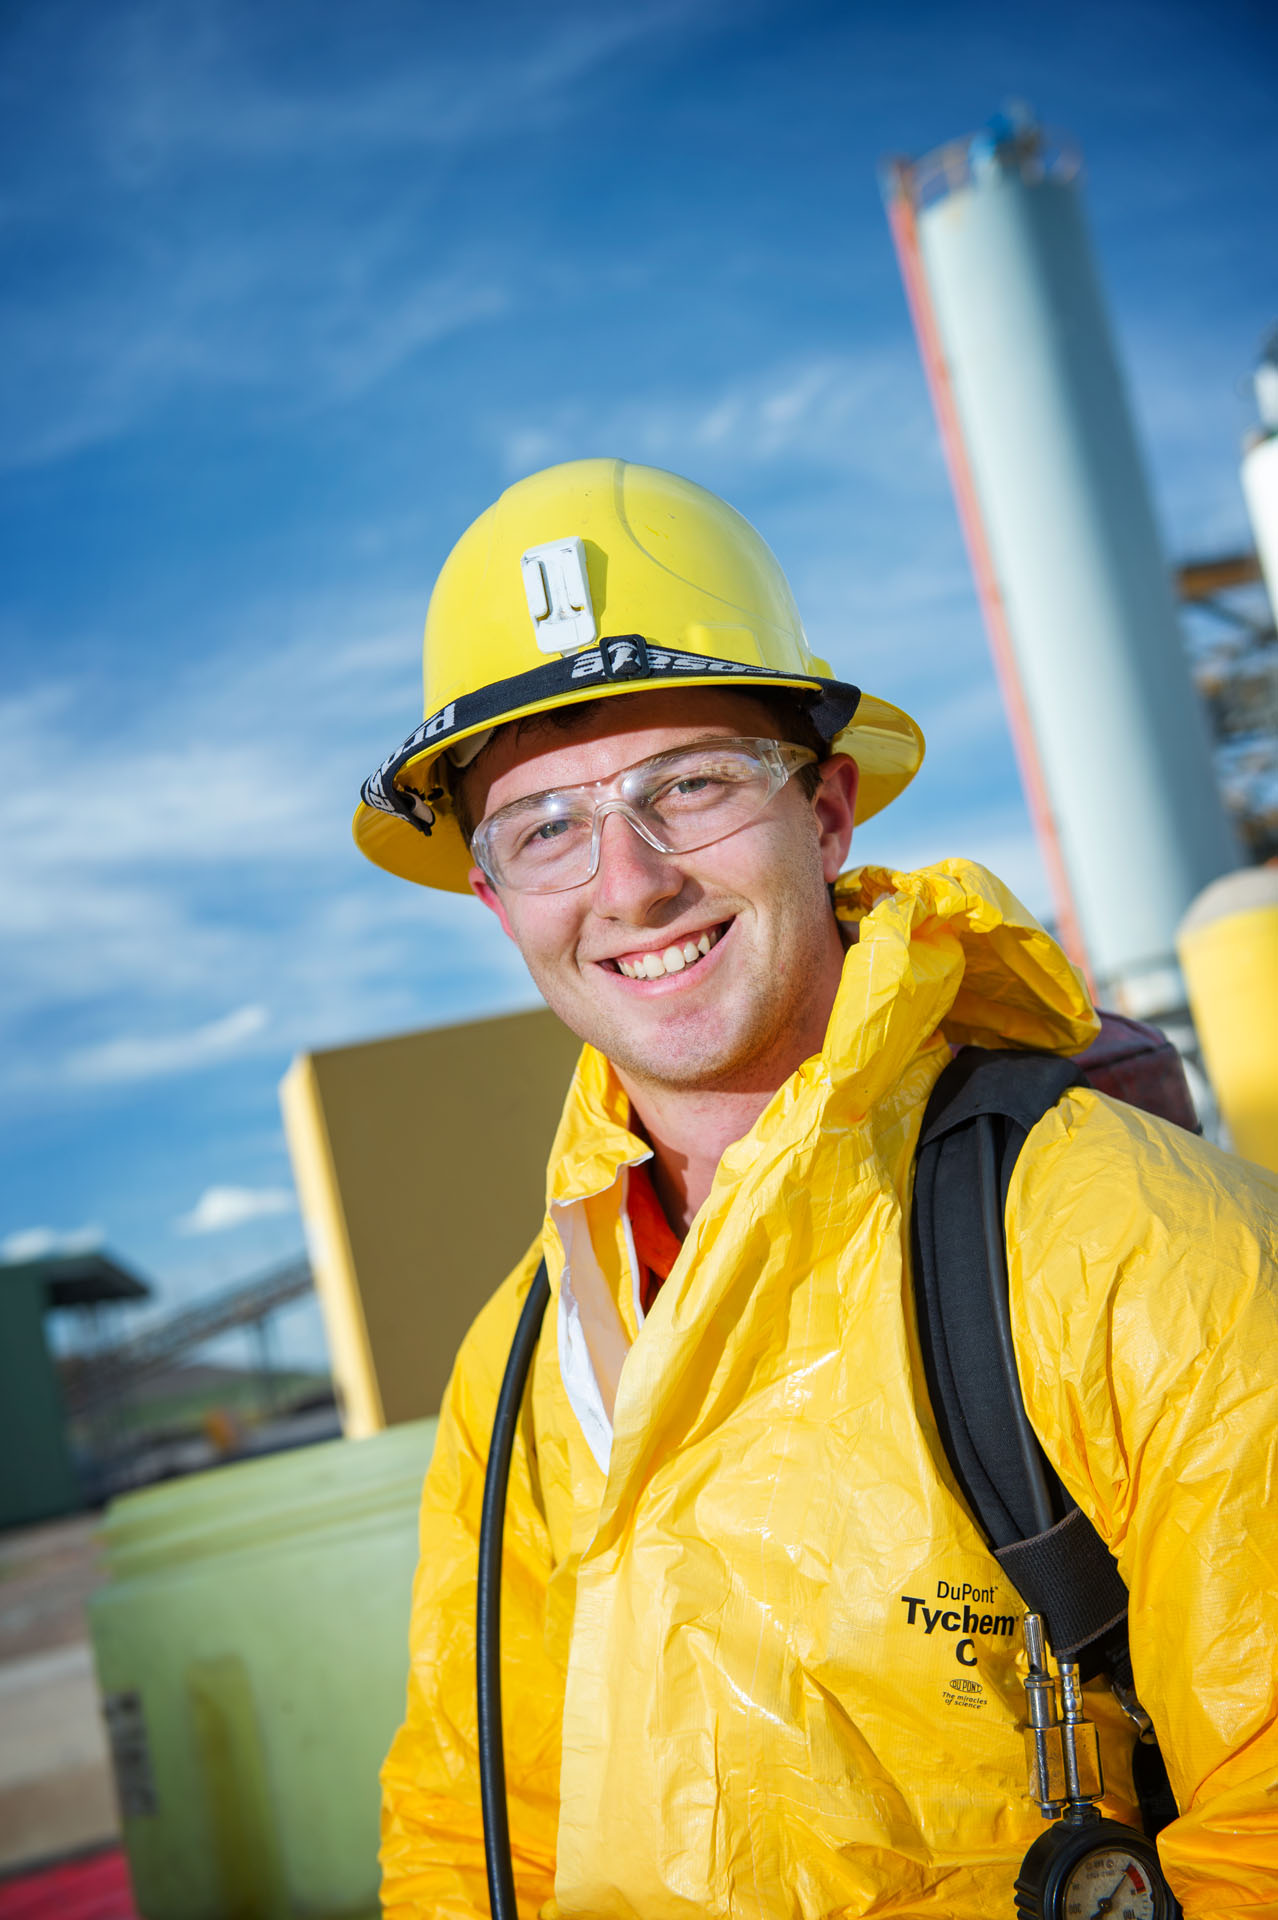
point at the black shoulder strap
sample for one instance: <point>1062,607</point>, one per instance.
<point>977,1120</point>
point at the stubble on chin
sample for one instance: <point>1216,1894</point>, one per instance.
<point>687,1055</point>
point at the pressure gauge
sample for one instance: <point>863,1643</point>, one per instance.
<point>1093,1869</point>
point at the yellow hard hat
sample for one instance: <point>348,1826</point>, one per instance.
<point>597,578</point>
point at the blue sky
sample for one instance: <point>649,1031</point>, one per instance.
<point>293,291</point>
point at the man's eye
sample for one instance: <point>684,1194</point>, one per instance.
<point>692,790</point>
<point>545,834</point>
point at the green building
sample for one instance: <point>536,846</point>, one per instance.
<point>38,1480</point>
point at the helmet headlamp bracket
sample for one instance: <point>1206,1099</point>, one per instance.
<point>557,587</point>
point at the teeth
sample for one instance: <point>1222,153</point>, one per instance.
<point>652,966</point>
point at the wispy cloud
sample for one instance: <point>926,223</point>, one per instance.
<point>1192,400</point>
<point>990,839</point>
<point>147,1056</point>
<point>170,85</point>
<point>219,1209</point>
<point>247,317</point>
<point>102,871</point>
<point>860,413</point>
<point>38,1243</point>
<point>177,870</point>
<point>295,308</point>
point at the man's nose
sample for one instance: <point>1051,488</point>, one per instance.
<point>633,875</point>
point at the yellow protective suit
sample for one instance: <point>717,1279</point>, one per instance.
<point>756,1658</point>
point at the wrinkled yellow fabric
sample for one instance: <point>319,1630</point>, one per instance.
<point>766,1666</point>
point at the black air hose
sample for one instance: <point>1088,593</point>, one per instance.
<point>492,1763</point>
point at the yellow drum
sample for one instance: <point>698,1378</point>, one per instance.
<point>1228,946</point>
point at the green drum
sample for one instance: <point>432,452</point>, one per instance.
<point>252,1649</point>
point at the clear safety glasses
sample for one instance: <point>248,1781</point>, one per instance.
<point>677,801</point>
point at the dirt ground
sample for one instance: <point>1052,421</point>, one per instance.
<point>55,1779</point>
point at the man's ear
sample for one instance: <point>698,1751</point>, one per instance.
<point>834,804</point>
<point>483,889</point>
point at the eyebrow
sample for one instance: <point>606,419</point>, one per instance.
<point>577,786</point>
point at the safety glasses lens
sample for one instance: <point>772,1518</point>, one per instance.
<point>676,801</point>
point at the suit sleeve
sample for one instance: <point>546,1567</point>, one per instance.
<point>432,1834</point>
<point>1144,1275</point>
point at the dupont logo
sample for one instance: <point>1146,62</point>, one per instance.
<point>968,1623</point>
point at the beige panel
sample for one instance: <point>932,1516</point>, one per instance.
<point>332,1261</point>
<point>420,1167</point>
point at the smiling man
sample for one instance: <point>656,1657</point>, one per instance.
<point>734,1684</point>
<point>687,933</point>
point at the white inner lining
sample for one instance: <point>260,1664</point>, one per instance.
<point>582,1273</point>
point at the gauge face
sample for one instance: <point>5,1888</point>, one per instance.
<point>1109,1884</point>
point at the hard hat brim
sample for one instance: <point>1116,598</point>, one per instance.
<point>401,825</point>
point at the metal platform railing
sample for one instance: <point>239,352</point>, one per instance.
<point>106,1373</point>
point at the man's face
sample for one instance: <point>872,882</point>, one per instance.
<point>740,1016</point>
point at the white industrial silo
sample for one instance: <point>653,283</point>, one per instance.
<point>1056,508</point>
<point>1260,469</point>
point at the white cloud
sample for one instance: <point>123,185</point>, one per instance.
<point>293,307</point>
<point>105,870</point>
<point>379,330</point>
<point>151,800</point>
<point>145,1057</point>
<point>38,1243</point>
<point>861,413</point>
<point>247,316</point>
<point>967,720</point>
<point>184,870</point>
<point>1192,407</point>
<point>992,840</point>
<point>218,1209</point>
<point>169,86</point>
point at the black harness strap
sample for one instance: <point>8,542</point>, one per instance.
<point>977,1120</point>
<point>1068,1575</point>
